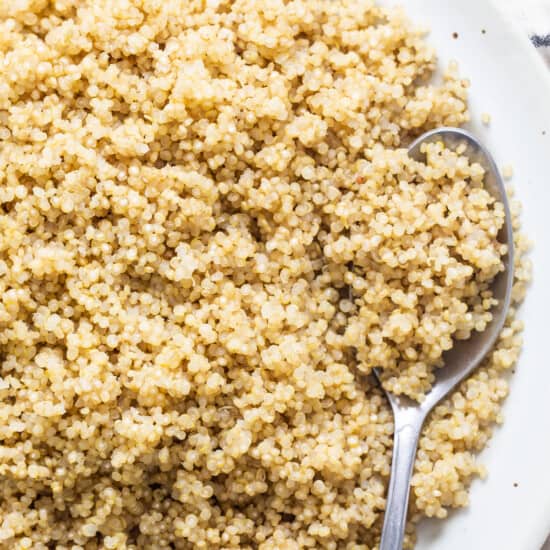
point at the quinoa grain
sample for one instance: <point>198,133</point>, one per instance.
<point>188,192</point>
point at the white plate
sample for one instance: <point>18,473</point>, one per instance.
<point>510,82</point>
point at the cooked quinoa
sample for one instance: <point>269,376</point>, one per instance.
<point>210,233</point>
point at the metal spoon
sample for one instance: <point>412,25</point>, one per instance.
<point>460,361</point>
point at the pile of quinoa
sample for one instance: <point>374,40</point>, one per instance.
<point>210,233</point>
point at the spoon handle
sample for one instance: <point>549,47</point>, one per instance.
<point>405,441</point>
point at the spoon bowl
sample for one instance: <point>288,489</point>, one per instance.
<point>461,359</point>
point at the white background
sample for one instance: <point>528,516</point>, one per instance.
<point>534,16</point>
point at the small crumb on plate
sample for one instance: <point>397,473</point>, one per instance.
<point>507,172</point>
